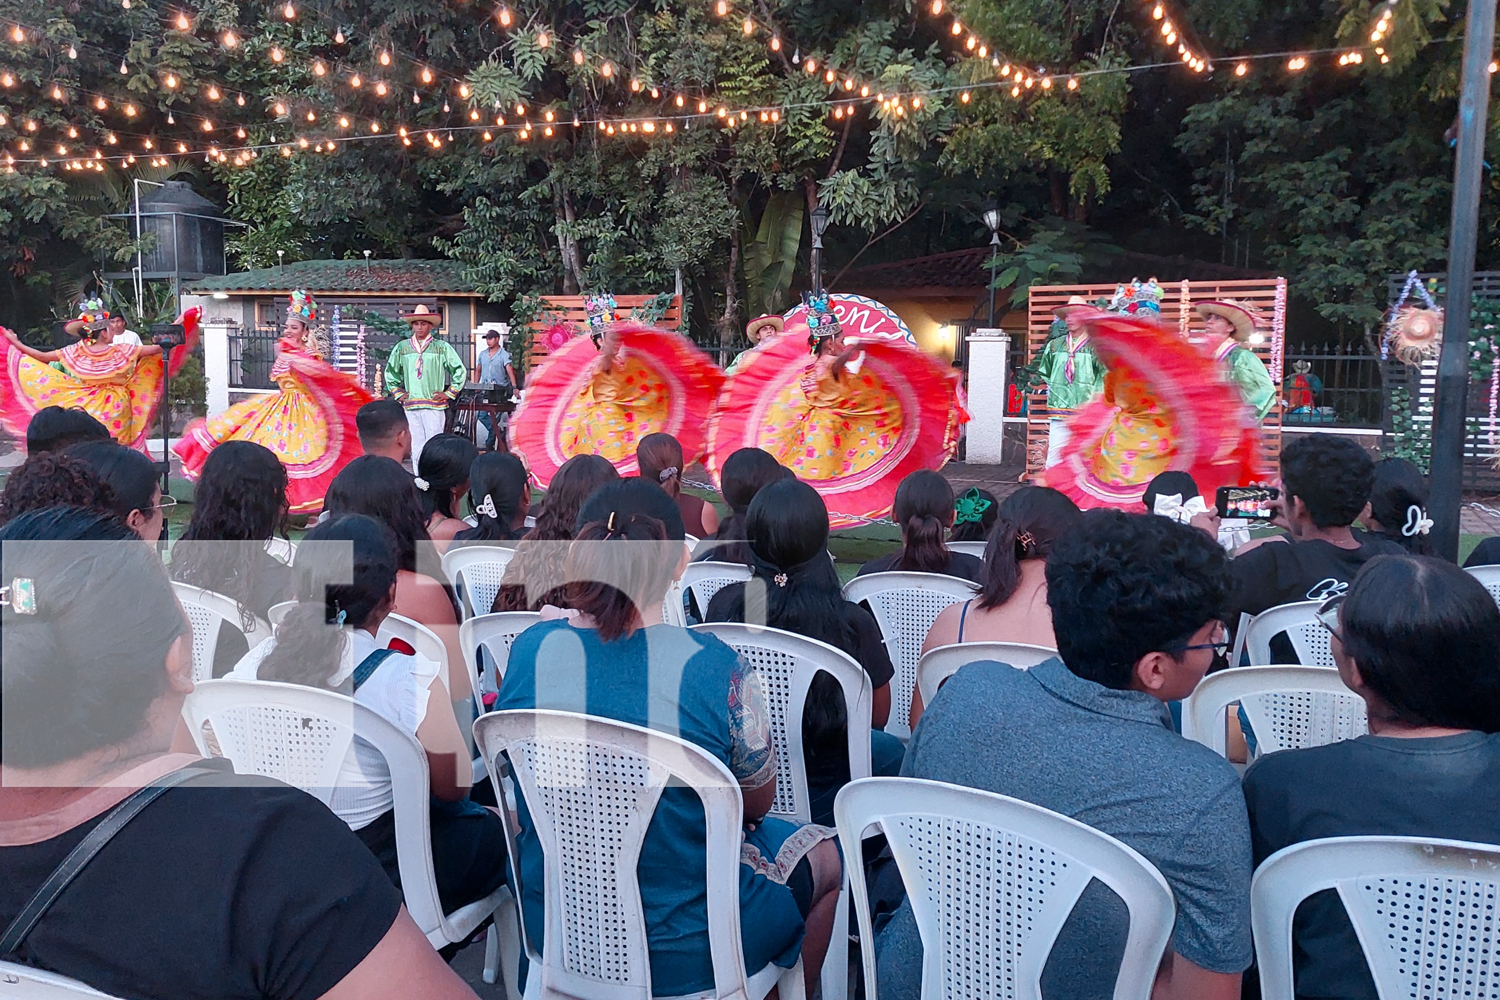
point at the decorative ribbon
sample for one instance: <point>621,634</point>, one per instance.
<point>1278,333</point>
<point>1177,509</point>
<point>1184,316</point>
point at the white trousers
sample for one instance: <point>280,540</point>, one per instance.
<point>1058,435</point>
<point>424,424</point>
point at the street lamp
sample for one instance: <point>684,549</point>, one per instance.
<point>992,220</point>
<point>819,227</point>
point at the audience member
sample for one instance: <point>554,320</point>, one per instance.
<point>54,428</point>
<point>328,641</point>
<point>239,503</point>
<point>500,495</point>
<point>660,459</point>
<point>136,483</point>
<point>1397,510</point>
<point>623,664</point>
<point>442,480</point>
<point>1169,484</point>
<point>1419,640</point>
<point>379,488</point>
<point>974,513</point>
<point>1486,553</point>
<point>54,479</point>
<point>263,893</point>
<point>1012,601</point>
<point>384,431</point>
<point>745,472</point>
<point>924,510</point>
<point>796,589</point>
<point>1135,603</point>
<point>534,577</point>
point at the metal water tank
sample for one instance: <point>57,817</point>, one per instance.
<point>189,232</point>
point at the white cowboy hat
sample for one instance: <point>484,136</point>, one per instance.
<point>1073,303</point>
<point>421,314</point>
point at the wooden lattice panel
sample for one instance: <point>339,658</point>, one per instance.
<point>1178,301</point>
<point>569,309</point>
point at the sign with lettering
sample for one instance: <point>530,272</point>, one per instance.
<point>859,317</point>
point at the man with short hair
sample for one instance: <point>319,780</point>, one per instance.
<point>55,428</point>
<point>1135,603</point>
<point>493,367</point>
<point>383,429</point>
<point>121,335</point>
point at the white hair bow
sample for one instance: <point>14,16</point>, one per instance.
<point>488,507</point>
<point>1173,506</point>
<point>1417,522</point>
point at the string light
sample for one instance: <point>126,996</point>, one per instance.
<point>289,12</point>
<point>505,17</point>
<point>356,82</point>
<point>183,24</point>
<point>1297,63</point>
<point>276,55</point>
<point>385,58</point>
<point>542,41</point>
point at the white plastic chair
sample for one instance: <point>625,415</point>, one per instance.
<point>1490,577</point>
<point>975,549</point>
<point>277,613</point>
<point>991,880</point>
<point>301,735</point>
<point>283,549</point>
<point>419,637</point>
<point>491,636</point>
<point>705,579</point>
<point>1423,911</point>
<point>1290,707</point>
<point>208,612</point>
<point>591,786</point>
<point>476,571</point>
<point>1310,640</point>
<point>905,606</point>
<point>942,662</point>
<point>21,982</point>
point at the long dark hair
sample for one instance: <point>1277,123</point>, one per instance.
<point>787,526</point>
<point>82,671</point>
<point>659,456</point>
<point>444,467</point>
<point>573,483</point>
<point>975,512</point>
<point>1398,500</point>
<point>239,503</point>
<point>1426,638</point>
<point>133,477</point>
<point>1031,521</point>
<point>745,473</point>
<point>496,480</point>
<point>346,569</point>
<point>378,487</point>
<point>607,578</point>
<point>540,556</point>
<point>923,509</point>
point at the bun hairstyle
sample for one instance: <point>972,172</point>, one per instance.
<point>659,456</point>
<point>83,666</point>
<point>444,467</point>
<point>924,509</point>
<point>1031,521</point>
<point>497,486</point>
<point>610,581</point>
<point>346,572</point>
<point>1398,502</point>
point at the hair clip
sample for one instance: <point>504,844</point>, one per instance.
<point>780,579</point>
<point>20,596</point>
<point>488,507</point>
<point>667,473</point>
<point>341,617</point>
<point>970,507</point>
<point>421,483</point>
<point>1417,522</point>
<point>1026,540</point>
<point>610,524</point>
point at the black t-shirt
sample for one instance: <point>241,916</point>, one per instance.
<point>960,564</point>
<point>1486,553</point>
<point>224,887</point>
<point>1285,572</point>
<point>1445,787</point>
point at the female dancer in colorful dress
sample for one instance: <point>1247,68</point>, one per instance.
<point>852,420</point>
<point>120,385</point>
<point>601,394</point>
<point>308,424</point>
<point>1164,407</point>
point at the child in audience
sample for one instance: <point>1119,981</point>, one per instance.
<point>1012,601</point>
<point>660,459</point>
<point>329,641</point>
<point>500,495</point>
<point>744,474</point>
<point>442,480</point>
<point>1419,640</point>
<point>924,510</point>
<point>534,577</point>
<point>795,588</point>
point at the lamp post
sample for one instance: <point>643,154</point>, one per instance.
<point>992,220</point>
<point>819,226</point>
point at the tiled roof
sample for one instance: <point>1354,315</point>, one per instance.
<point>414,277</point>
<point>969,271</point>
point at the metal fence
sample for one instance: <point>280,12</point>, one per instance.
<point>1342,383</point>
<point>252,352</point>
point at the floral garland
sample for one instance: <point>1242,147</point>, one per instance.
<point>1185,313</point>
<point>359,356</point>
<point>335,334</point>
<point>1278,333</point>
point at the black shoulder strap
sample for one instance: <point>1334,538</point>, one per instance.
<point>369,665</point>
<point>63,875</point>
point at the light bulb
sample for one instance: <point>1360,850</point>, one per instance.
<point>606,70</point>
<point>380,88</point>
<point>542,41</point>
<point>289,12</point>
<point>749,26</point>
<point>276,55</point>
<point>426,75</point>
<point>578,57</point>
<point>319,69</point>
<point>213,93</point>
<point>240,100</point>
<point>183,23</point>
<point>123,68</point>
<point>385,58</point>
<point>355,81</point>
<point>72,52</point>
<point>17,35</point>
<point>338,37</point>
<point>505,17</point>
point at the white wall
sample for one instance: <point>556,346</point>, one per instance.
<point>989,351</point>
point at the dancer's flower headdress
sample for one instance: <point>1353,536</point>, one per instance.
<point>822,322</point>
<point>1137,299</point>
<point>301,306</point>
<point>601,311</point>
<point>91,318</point>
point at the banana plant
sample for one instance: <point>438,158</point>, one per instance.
<point>770,259</point>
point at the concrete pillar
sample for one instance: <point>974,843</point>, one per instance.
<point>989,353</point>
<point>216,363</point>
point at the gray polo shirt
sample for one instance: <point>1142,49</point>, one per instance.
<point>1109,759</point>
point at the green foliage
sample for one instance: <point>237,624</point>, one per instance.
<point>770,259</point>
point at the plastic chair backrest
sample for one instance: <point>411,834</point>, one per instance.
<point>22,982</point>
<point>1290,707</point>
<point>476,572</point>
<point>277,613</point>
<point>591,786</point>
<point>300,735</point>
<point>705,579</point>
<point>1310,640</point>
<point>1424,912</point>
<point>1490,577</point>
<point>492,634</point>
<point>788,663</point>
<point>942,662</point>
<point>207,612</point>
<point>975,549</point>
<point>282,549</point>
<point>419,637</point>
<point>905,606</point>
<point>991,880</point>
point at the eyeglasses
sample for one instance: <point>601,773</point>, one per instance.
<point>1328,614</point>
<point>1220,646</point>
<point>162,504</point>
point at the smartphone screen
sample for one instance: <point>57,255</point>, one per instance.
<point>1249,502</point>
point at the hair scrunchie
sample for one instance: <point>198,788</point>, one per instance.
<point>970,507</point>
